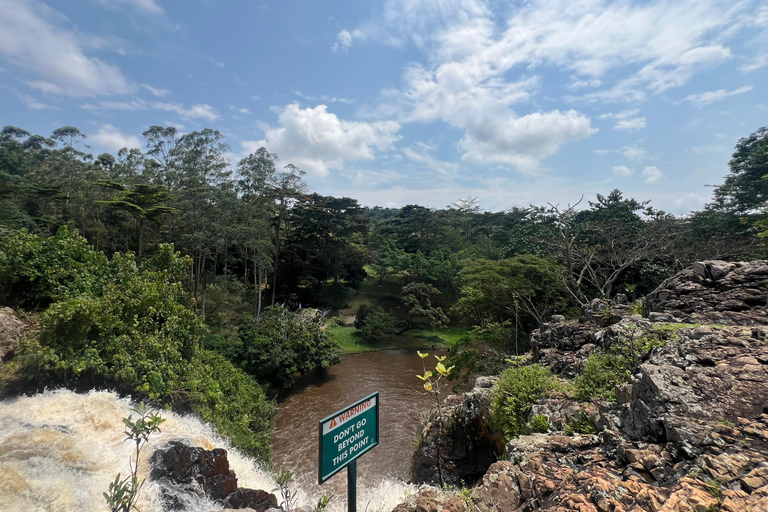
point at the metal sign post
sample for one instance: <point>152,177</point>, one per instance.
<point>344,436</point>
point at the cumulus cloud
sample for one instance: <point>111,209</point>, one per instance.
<point>345,39</point>
<point>622,170</point>
<point>523,141</point>
<point>317,141</point>
<point>705,98</point>
<point>112,138</point>
<point>36,38</point>
<point>635,123</point>
<point>652,174</point>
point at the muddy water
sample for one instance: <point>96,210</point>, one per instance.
<point>403,400</point>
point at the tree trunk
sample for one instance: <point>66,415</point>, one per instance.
<point>142,224</point>
<point>277,254</point>
<point>202,308</point>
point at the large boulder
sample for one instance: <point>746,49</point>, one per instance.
<point>10,333</point>
<point>715,292</point>
<point>183,470</point>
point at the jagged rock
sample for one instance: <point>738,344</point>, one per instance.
<point>428,500</point>
<point>715,292</point>
<point>10,333</point>
<point>184,469</point>
<point>467,446</point>
<point>257,500</point>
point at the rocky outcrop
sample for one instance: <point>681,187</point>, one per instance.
<point>689,431</point>
<point>462,434</point>
<point>10,333</point>
<point>715,292</point>
<point>183,470</point>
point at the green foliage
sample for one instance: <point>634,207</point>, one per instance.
<point>605,370</point>
<point>744,188</point>
<point>374,322</point>
<point>236,405</point>
<point>122,494</point>
<point>280,343</point>
<point>131,328</point>
<point>580,424</point>
<point>417,298</point>
<point>517,389</point>
<point>538,424</point>
<point>433,384</point>
<point>282,479</point>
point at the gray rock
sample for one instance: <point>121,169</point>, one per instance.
<point>10,333</point>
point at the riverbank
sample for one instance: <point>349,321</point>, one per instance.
<point>351,342</point>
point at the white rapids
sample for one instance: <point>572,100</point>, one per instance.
<point>59,451</point>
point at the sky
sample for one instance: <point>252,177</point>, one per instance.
<point>397,102</point>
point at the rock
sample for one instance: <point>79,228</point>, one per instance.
<point>10,333</point>
<point>184,464</point>
<point>715,292</point>
<point>467,446</point>
<point>254,499</point>
<point>182,469</point>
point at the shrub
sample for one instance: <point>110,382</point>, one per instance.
<point>513,395</point>
<point>538,424</point>
<point>280,343</point>
<point>605,370</point>
<point>236,405</point>
<point>374,323</point>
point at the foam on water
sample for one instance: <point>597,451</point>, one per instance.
<point>60,450</point>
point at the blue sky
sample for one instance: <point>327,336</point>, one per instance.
<point>411,101</point>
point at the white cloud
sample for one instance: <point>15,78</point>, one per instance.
<point>635,123</point>
<point>633,152</point>
<point>705,98</point>
<point>317,141</point>
<point>323,98</point>
<point>624,114</point>
<point>36,38</point>
<point>622,170</point>
<point>345,39</point>
<point>652,174</point>
<point>201,111</point>
<point>160,93</point>
<point>145,6</point>
<point>523,141</point>
<point>112,138</point>
<point>33,104</point>
<point>419,153</point>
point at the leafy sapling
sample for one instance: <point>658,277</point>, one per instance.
<point>432,384</point>
<point>123,494</point>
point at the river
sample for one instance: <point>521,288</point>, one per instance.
<point>403,401</point>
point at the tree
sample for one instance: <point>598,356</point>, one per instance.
<point>417,298</point>
<point>599,245</point>
<point>145,203</point>
<point>744,189</point>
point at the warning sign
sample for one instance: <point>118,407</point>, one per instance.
<point>347,434</point>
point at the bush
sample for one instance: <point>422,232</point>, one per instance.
<point>605,370</point>
<point>236,405</point>
<point>374,323</point>
<point>513,395</point>
<point>131,328</point>
<point>280,343</point>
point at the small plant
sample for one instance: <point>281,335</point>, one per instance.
<point>538,424</point>
<point>322,502</point>
<point>726,423</point>
<point>122,494</point>
<point>513,395</point>
<point>580,424</point>
<point>282,479</point>
<point>465,494</point>
<point>432,384</point>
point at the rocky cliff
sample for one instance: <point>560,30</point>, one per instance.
<point>689,430</point>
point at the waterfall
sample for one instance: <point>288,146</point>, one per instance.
<point>59,451</point>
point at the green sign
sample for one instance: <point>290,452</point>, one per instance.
<point>347,434</point>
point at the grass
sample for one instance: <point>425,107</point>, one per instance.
<point>352,343</point>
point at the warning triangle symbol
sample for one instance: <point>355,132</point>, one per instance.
<point>333,423</point>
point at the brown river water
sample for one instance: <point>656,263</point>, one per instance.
<point>403,401</point>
